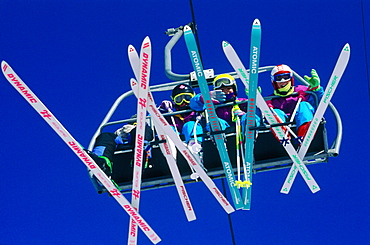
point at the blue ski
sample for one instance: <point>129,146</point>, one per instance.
<point>214,123</point>
<point>251,115</point>
<point>269,116</point>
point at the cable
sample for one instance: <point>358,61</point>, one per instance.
<point>194,27</point>
<point>195,30</point>
<point>365,46</point>
<point>228,215</point>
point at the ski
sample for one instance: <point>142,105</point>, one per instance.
<point>144,75</point>
<point>214,123</point>
<point>251,114</point>
<point>180,186</point>
<point>324,102</point>
<point>277,131</point>
<point>171,134</point>
<point>44,112</point>
<point>165,148</point>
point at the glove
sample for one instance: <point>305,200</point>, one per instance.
<point>238,113</point>
<point>314,81</point>
<point>218,95</point>
<point>125,130</point>
<point>166,106</point>
<point>128,128</point>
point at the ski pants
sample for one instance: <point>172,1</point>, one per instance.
<point>304,113</point>
<point>223,123</point>
<point>103,151</point>
<point>244,121</point>
<point>188,131</point>
<point>105,145</point>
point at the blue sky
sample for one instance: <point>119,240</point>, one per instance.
<point>73,55</point>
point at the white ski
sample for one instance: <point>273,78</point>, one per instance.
<point>166,149</point>
<point>44,112</point>
<point>180,186</point>
<point>144,74</point>
<point>324,102</point>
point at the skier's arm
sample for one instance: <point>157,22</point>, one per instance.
<point>166,106</point>
<point>314,84</point>
<point>313,81</point>
<point>197,102</point>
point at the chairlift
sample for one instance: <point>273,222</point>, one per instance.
<point>268,153</point>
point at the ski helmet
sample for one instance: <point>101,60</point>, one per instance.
<point>282,73</point>
<point>181,93</point>
<point>225,80</point>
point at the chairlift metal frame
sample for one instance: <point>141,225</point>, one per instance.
<point>154,180</point>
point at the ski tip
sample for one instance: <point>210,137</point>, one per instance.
<point>154,238</point>
<point>4,66</point>
<point>315,189</point>
<point>191,218</point>
<point>225,43</point>
<point>131,48</point>
<point>256,22</point>
<point>347,47</point>
<point>133,81</point>
<point>146,41</point>
<point>187,28</point>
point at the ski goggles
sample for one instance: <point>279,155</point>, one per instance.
<point>183,97</point>
<point>282,77</point>
<point>226,82</point>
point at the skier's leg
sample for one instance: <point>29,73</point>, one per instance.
<point>103,151</point>
<point>303,118</point>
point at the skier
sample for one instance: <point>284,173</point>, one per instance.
<point>106,144</point>
<point>284,105</point>
<point>183,123</point>
<point>224,90</point>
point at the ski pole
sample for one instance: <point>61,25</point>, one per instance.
<point>238,150</point>
<point>280,120</point>
<point>173,120</point>
<point>293,115</point>
<point>196,148</point>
